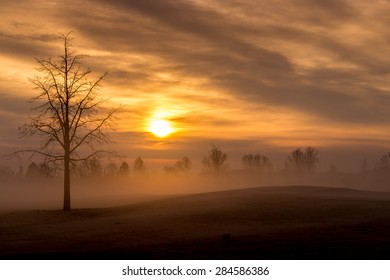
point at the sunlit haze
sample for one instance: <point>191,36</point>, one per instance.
<point>160,128</point>
<point>195,130</point>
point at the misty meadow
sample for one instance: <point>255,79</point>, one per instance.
<point>127,211</point>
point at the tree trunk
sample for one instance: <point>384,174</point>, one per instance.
<point>66,136</point>
<point>67,205</point>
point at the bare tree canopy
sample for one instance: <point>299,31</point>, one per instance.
<point>384,162</point>
<point>214,162</point>
<point>139,166</point>
<point>183,164</point>
<point>256,163</point>
<point>124,169</point>
<point>69,116</point>
<point>303,160</point>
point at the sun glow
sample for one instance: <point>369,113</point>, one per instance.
<point>160,127</point>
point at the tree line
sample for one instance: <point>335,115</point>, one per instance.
<point>300,161</point>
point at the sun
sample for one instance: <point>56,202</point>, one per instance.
<point>161,128</point>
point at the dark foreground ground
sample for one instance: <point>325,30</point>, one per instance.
<point>258,223</point>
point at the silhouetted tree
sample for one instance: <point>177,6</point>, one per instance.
<point>111,169</point>
<point>46,170</point>
<point>40,170</point>
<point>124,169</point>
<point>70,118</point>
<point>139,166</point>
<point>303,160</point>
<point>32,171</point>
<point>214,162</point>
<point>183,164</point>
<point>91,167</point>
<point>256,163</point>
<point>311,159</point>
<point>384,162</point>
<point>296,160</point>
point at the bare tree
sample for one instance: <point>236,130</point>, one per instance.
<point>41,170</point>
<point>183,164</point>
<point>69,117</point>
<point>296,160</point>
<point>139,166</point>
<point>303,160</point>
<point>91,167</point>
<point>46,170</point>
<point>256,163</point>
<point>384,162</point>
<point>33,171</point>
<point>111,169</point>
<point>311,159</point>
<point>124,169</point>
<point>214,162</point>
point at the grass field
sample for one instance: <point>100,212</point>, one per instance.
<point>292,222</point>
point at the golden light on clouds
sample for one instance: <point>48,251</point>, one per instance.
<point>211,71</point>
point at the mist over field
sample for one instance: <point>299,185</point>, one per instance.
<point>26,193</point>
<point>218,213</point>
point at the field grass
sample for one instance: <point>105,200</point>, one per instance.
<point>292,222</point>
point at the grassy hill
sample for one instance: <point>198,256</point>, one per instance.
<point>292,222</point>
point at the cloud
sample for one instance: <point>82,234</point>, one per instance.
<point>13,114</point>
<point>326,61</point>
<point>236,57</point>
<point>26,46</point>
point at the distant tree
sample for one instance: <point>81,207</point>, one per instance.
<point>46,169</point>
<point>365,166</point>
<point>111,169</point>
<point>91,167</point>
<point>303,160</point>
<point>214,162</point>
<point>384,162</point>
<point>247,161</point>
<point>296,161</point>
<point>256,163</point>
<point>33,171</point>
<point>183,164</point>
<point>139,166</point>
<point>124,169</point>
<point>311,159</point>
<point>70,118</point>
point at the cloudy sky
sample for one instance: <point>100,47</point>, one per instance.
<point>249,76</point>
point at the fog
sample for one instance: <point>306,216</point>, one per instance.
<point>23,193</point>
<point>160,220</point>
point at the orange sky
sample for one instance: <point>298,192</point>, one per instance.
<point>249,76</point>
